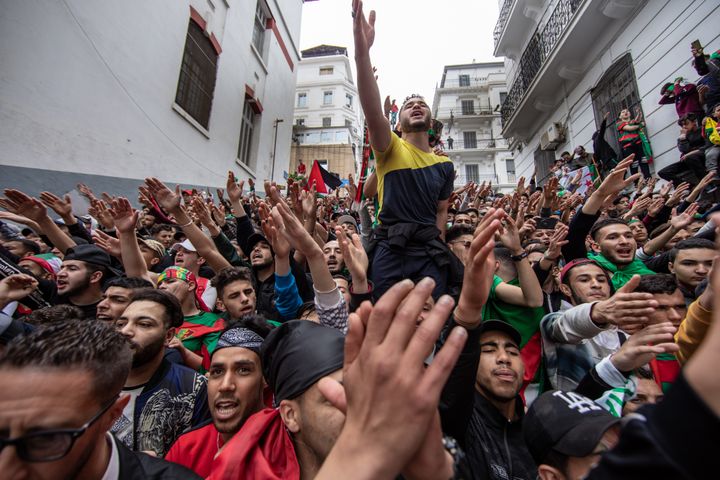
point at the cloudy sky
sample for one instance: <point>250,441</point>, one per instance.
<point>414,39</point>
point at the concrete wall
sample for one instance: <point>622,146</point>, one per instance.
<point>89,87</point>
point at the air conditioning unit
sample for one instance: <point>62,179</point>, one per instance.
<point>552,137</point>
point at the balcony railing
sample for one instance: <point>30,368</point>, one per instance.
<point>498,143</point>
<point>472,82</point>
<point>502,20</point>
<point>537,51</point>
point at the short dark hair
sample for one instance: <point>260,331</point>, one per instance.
<point>161,227</point>
<point>74,345</point>
<point>690,243</point>
<point>472,209</point>
<point>228,275</point>
<point>131,283</point>
<point>305,309</point>
<point>54,314</point>
<point>658,283</point>
<point>173,310</point>
<point>503,254</point>
<point>605,222</point>
<point>28,244</point>
<point>556,460</point>
<point>457,231</point>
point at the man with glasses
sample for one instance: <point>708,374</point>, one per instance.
<point>61,394</point>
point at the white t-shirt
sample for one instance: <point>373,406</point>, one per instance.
<point>123,427</point>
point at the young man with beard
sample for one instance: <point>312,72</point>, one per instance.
<point>690,262</point>
<point>614,242</point>
<point>333,257</point>
<point>61,394</point>
<point>80,280</point>
<point>414,184</point>
<point>235,392</point>
<point>165,398</point>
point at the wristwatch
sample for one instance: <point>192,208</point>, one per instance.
<point>517,258</point>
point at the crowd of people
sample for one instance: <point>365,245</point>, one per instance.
<point>426,332</point>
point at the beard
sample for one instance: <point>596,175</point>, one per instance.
<point>264,264</point>
<point>74,290</point>
<point>408,126</point>
<point>143,355</point>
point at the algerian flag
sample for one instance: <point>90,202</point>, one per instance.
<point>587,179</point>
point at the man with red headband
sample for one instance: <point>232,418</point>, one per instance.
<point>198,335</point>
<point>593,324</point>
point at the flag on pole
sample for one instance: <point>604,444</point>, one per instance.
<point>324,180</point>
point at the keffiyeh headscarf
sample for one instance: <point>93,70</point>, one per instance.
<point>240,337</point>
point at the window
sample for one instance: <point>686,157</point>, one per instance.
<point>246,133</point>
<point>258,38</point>
<point>469,140</point>
<point>348,100</point>
<point>616,90</point>
<point>471,174</point>
<point>197,75</point>
<point>510,168</point>
<point>327,98</point>
<point>326,137</point>
<point>503,96</point>
<point>302,100</point>
<point>464,80</point>
<point>468,107</point>
<point>300,122</point>
<point>326,70</point>
<point>327,121</point>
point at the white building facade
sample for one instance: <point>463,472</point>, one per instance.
<point>467,101</point>
<point>568,62</point>
<point>108,93</point>
<point>327,114</point>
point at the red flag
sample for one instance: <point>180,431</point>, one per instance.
<point>323,179</point>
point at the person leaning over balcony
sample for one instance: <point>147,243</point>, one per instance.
<point>414,184</point>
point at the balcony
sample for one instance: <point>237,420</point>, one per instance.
<point>464,83</point>
<point>516,19</point>
<point>448,115</point>
<point>479,178</point>
<point>559,52</point>
<point>477,145</point>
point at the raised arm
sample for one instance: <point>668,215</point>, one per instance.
<point>170,201</point>
<point>529,292</point>
<point>364,36</point>
<point>125,219</point>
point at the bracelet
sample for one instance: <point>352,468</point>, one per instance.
<point>186,224</point>
<point>517,258</point>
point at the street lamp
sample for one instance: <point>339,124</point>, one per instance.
<point>275,126</point>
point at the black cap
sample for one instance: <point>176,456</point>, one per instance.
<point>253,240</point>
<point>565,422</point>
<point>92,254</point>
<point>502,326</point>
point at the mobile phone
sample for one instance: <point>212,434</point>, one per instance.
<point>696,45</point>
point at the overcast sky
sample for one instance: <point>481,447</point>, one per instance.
<point>414,39</point>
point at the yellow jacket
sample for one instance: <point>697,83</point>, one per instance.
<point>692,331</point>
<point>711,130</point>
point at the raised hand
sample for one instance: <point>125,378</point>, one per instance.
<point>680,222</point>
<point>108,243</point>
<point>615,182</point>
<point>16,287</point>
<point>479,269</point>
<point>363,29</point>
<point>289,226</point>
<point>100,212</point>
<point>629,310</point>
<point>279,243</point>
<point>644,345</point>
<point>25,205</point>
<point>165,197</point>
<point>61,206</point>
<point>677,194</point>
<point>124,216</point>
<point>389,397</point>
<point>356,259</point>
<point>234,188</point>
<point>201,210</point>
<point>86,192</point>
<point>557,241</point>
<point>218,214</point>
<point>510,237</point>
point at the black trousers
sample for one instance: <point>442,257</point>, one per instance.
<point>639,160</point>
<point>690,170</point>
